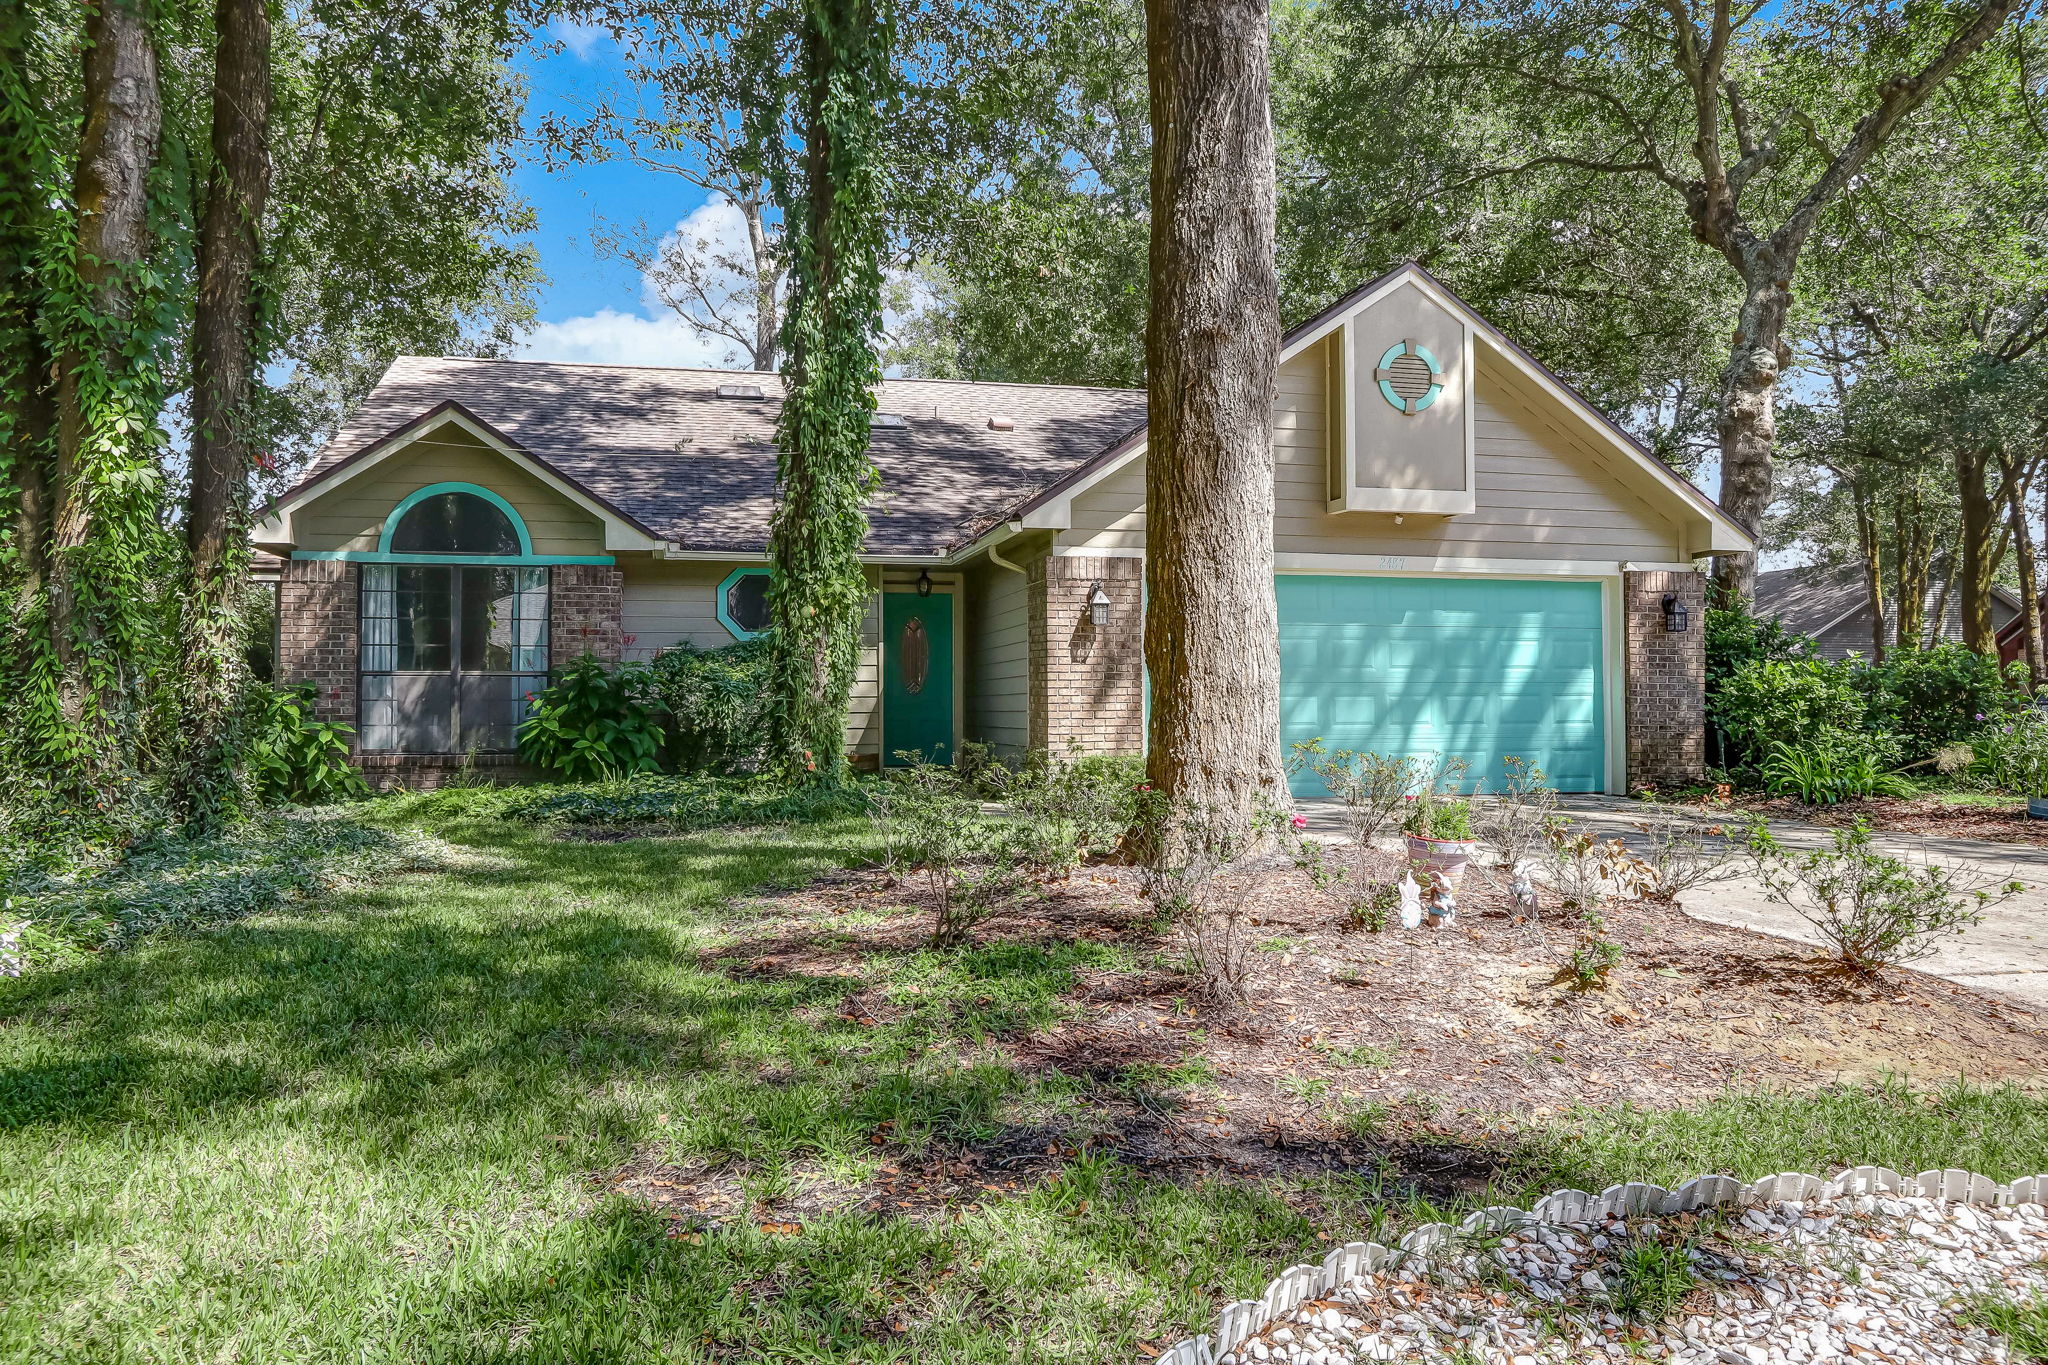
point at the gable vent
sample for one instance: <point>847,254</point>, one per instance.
<point>889,419</point>
<point>1001,422</point>
<point>739,390</point>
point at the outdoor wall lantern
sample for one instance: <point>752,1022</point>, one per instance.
<point>1098,604</point>
<point>1674,613</point>
<point>924,582</point>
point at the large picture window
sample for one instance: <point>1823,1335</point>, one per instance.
<point>450,654</point>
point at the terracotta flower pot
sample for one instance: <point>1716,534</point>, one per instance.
<point>1447,858</point>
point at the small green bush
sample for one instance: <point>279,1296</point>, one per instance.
<point>2016,754</point>
<point>1735,638</point>
<point>1829,772</point>
<point>293,757</point>
<point>1940,696</point>
<point>1451,820</point>
<point>717,702</point>
<point>1804,703</point>
<point>592,723</point>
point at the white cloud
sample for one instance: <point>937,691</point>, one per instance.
<point>657,334</point>
<point>580,39</point>
<point>609,337</point>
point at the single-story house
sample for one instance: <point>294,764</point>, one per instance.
<point>1832,605</point>
<point>1472,559</point>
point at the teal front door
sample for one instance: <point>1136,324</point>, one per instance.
<point>1479,668</point>
<point>917,676</point>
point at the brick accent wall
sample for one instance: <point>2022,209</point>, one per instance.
<point>1087,683</point>
<point>316,633</point>
<point>1666,680</point>
<point>584,613</point>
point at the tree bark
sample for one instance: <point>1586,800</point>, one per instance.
<point>224,362</point>
<point>1979,550</point>
<point>2018,486</point>
<point>116,150</point>
<point>1747,423</point>
<point>1212,347</point>
<point>767,345</point>
<point>30,425</point>
<point>1873,574</point>
<point>1913,563</point>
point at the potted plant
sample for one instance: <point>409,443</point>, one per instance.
<point>1440,841</point>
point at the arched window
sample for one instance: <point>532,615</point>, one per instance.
<point>455,523</point>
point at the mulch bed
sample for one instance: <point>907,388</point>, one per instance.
<point>1927,816</point>
<point>1461,1035</point>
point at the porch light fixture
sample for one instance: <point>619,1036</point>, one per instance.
<point>1098,604</point>
<point>1675,613</point>
<point>924,582</point>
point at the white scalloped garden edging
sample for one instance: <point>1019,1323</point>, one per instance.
<point>1297,1284</point>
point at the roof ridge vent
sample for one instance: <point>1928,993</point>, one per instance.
<point>739,391</point>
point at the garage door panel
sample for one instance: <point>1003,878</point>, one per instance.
<point>1474,668</point>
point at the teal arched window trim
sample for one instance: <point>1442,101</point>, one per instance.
<point>383,554</point>
<point>432,490</point>
<point>739,632</point>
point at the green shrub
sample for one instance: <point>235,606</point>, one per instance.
<point>1097,795</point>
<point>1736,638</point>
<point>1804,703</point>
<point>1828,772</point>
<point>295,758</point>
<point>717,702</point>
<point>935,831</point>
<point>592,723</point>
<point>1873,910</point>
<point>1940,696</point>
<point>2016,754</point>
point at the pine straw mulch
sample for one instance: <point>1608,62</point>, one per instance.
<point>1931,817</point>
<point>1453,1037</point>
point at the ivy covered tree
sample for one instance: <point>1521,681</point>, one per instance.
<point>837,239</point>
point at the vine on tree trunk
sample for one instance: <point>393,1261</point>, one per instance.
<point>836,237</point>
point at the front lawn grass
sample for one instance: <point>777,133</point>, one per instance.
<point>382,1129</point>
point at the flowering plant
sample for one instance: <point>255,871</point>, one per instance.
<point>2019,755</point>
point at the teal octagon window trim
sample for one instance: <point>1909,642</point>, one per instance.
<point>1385,377</point>
<point>738,631</point>
<point>420,495</point>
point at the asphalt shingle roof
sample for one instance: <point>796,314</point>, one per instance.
<point>700,470</point>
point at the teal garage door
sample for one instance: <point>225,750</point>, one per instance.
<point>1474,667</point>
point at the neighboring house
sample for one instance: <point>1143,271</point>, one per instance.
<point>1472,559</point>
<point>1833,606</point>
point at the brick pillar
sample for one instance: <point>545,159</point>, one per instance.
<point>316,633</point>
<point>1667,680</point>
<point>1087,683</point>
<point>584,613</point>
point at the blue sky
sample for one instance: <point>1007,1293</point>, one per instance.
<point>595,309</point>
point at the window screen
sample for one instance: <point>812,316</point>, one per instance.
<point>450,654</point>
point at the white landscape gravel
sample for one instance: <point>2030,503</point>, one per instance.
<point>1869,1277</point>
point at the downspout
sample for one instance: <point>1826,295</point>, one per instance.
<point>995,556</point>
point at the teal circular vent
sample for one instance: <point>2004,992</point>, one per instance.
<point>1409,377</point>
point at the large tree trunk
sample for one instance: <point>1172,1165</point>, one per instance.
<point>28,425</point>
<point>836,239</point>
<point>1211,349</point>
<point>1913,564</point>
<point>1979,551</point>
<point>2017,487</point>
<point>224,361</point>
<point>767,342</point>
<point>117,147</point>
<point>1873,576</point>
<point>1747,423</point>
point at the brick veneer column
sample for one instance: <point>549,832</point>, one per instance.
<point>584,613</point>
<point>316,633</point>
<point>1667,680</point>
<point>1087,683</point>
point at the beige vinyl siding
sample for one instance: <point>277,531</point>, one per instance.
<point>351,516</point>
<point>666,602</point>
<point>998,661</point>
<point>1542,493</point>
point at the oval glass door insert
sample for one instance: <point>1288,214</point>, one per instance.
<point>914,655</point>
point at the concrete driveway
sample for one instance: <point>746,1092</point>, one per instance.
<point>2006,953</point>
